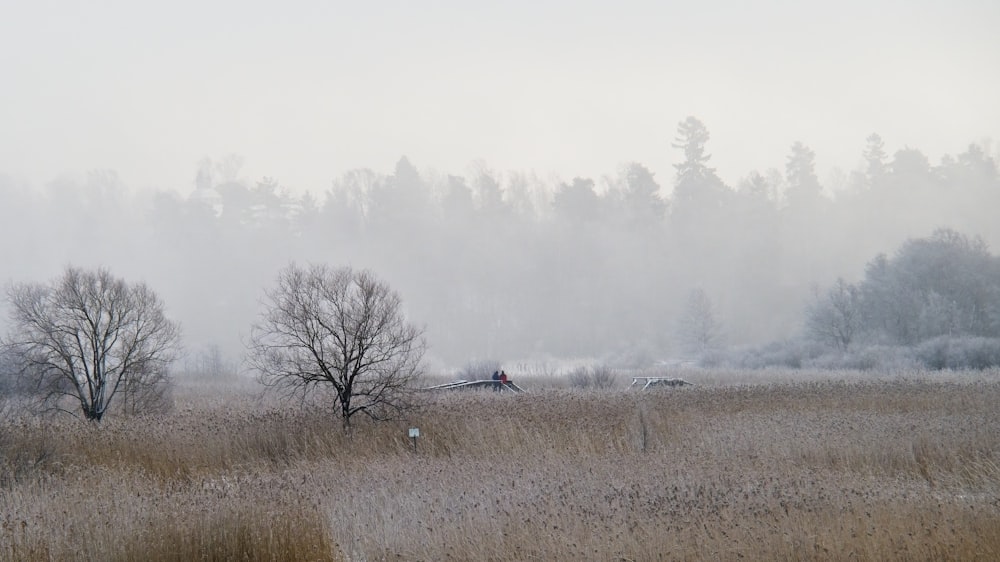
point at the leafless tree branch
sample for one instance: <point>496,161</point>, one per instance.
<point>89,335</point>
<point>341,330</point>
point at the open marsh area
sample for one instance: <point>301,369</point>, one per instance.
<point>743,466</point>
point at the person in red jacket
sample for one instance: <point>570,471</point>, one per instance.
<point>503,379</point>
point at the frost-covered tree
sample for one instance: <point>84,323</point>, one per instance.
<point>698,329</point>
<point>835,318</point>
<point>946,284</point>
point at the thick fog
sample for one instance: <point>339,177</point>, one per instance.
<point>551,180</point>
<point>505,265</point>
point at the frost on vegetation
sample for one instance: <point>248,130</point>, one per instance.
<point>600,377</point>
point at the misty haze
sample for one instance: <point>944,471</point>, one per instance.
<point>250,247</point>
<point>504,265</point>
<point>586,182</point>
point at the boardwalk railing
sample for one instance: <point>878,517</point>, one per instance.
<point>508,386</point>
<point>658,381</point>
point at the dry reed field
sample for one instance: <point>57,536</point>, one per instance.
<point>783,468</point>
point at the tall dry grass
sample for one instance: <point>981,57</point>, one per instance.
<point>893,469</point>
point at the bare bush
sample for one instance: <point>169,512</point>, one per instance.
<point>540,368</point>
<point>479,369</point>
<point>150,394</point>
<point>599,377</point>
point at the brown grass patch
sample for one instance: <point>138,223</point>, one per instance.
<point>881,470</point>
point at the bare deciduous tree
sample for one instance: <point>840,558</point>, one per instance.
<point>837,318</point>
<point>338,330</point>
<point>698,329</point>
<point>89,335</point>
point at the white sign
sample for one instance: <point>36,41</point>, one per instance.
<point>414,432</point>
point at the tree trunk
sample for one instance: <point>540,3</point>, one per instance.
<point>345,410</point>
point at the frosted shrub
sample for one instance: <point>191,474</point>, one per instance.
<point>790,353</point>
<point>597,377</point>
<point>964,352</point>
<point>880,358</point>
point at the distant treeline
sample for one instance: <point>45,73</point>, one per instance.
<point>505,265</point>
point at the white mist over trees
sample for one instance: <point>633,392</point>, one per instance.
<point>509,265</point>
<point>935,302</point>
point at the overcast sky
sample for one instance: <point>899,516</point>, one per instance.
<point>306,90</point>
